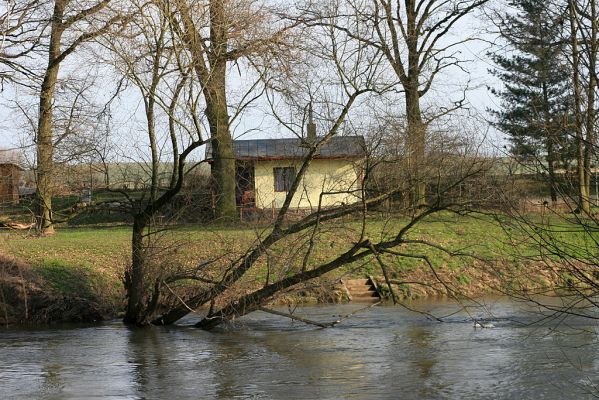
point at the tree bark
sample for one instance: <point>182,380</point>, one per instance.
<point>135,276</point>
<point>416,128</point>
<point>44,144</point>
<point>549,144</point>
<point>223,167</point>
<point>593,47</point>
<point>583,196</point>
<point>416,144</point>
<point>210,64</point>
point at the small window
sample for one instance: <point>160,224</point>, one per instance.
<point>284,178</point>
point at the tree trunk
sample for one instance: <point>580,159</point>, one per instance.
<point>45,155</point>
<point>416,127</point>
<point>551,169</point>
<point>593,47</point>
<point>252,301</point>
<point>549,143</point>
<point>589,140</point>
<point>223,166</point>
<point>583,196</point>
<point>44,143</point>
<point>416,144</point>
<point>149,107</point>
<point>135,276</point>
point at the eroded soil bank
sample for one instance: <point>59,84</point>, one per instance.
<point>26,298</point>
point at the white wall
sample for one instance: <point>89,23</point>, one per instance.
<point>322,176</point>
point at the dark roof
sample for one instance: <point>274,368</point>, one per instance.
<point>290,148</point>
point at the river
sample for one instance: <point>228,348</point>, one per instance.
<point>381,353</point>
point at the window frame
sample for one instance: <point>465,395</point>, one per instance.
<point>287,174</point>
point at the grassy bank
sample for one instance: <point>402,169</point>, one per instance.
<point>89,262</point>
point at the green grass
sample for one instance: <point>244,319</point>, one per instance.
<point>91,261</point>
<point>63,207</point>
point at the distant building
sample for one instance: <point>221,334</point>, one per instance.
<point>10,176</point>
<point>266,168</point>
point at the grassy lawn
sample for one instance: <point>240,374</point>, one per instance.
<point>90,261</point>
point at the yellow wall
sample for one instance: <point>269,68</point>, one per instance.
<point>322,176</point>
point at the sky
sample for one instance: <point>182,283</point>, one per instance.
<point>128,113</point>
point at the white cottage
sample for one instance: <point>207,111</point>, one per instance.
<point>266,169</point>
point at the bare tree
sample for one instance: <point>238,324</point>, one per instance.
<point>21,25</point>
<point>416,40</point>
<point>219,34</point>
<point>71,25</point>
<point>356,69</point>
<point>565,239</point>
<point>152,59</point>
<point>584,49</point>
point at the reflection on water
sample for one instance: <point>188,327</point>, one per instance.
<point>386,352</point>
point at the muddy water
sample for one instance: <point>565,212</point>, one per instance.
<point>384,353</point>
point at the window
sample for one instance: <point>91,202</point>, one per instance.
<point>284,178</point>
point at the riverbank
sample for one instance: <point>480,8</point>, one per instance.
<point>76,275</point>
<point>26,298</point>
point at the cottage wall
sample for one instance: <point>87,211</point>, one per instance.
<point>9,183</point>
<point>324,175</point>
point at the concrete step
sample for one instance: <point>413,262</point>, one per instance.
<point>359,287</point>
<point>356,282</point>
<point>361,290</point>
<point>366,293</point>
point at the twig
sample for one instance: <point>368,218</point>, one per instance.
<point>179,298</point>
<point>384,268</point>
<point>319,324</point>
<point>352,313</point>
<point>293,317</point>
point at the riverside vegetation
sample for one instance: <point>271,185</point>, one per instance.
<point>77,274</point>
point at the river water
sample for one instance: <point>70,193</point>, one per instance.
<point>381,353</point>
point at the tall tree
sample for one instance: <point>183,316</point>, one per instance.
<point>416,38</point>
<point>219,33</point>
<point>152,59</point>
<point>536,96</point>
<point>72,23</point>
<point>584,49</point>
